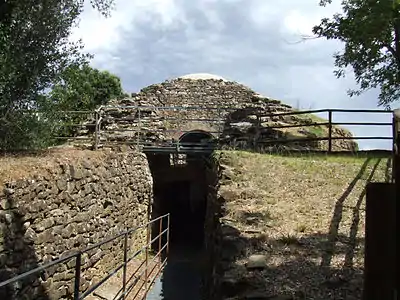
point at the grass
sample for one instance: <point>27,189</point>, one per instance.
<point>25,165</point>
<point>317,131</point>
<point>312,210</point>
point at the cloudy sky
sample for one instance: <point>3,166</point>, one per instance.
<point>254,42</point>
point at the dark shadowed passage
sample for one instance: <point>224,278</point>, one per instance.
<point>180,189</point>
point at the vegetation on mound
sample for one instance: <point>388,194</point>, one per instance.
<point>306,214</point>
<point>26,165</point>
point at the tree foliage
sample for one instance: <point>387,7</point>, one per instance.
<point>34,50</point>
<point>81,88</point>
<point>370,30</point>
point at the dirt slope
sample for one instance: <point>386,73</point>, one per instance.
<point>305,214</point>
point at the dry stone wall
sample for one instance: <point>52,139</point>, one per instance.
<point>212,233</point>
<point>169,112</point>
<point>69,207</point>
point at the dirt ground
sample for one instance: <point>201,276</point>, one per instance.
<point>305,214</point>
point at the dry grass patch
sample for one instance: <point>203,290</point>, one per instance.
<point>311,209</point>
<point>24,165</point>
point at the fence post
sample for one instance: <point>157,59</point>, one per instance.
<point>96,128</point>
<point>258,130</point>
<point>139,128</point>
<point>396,149</point>
<point>219,120</point>
<point>77,275</point>
<point>330,131</point>
<point>125,263</point>
<point>178,146</point>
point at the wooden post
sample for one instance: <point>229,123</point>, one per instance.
<point>330,131</point>
<point>380,243</point>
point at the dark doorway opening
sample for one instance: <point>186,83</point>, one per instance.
<point>186,218</point>
<point>181,191</point>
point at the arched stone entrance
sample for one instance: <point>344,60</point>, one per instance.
<point>196,137</point>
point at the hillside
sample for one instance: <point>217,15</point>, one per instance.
<point>305,215</point>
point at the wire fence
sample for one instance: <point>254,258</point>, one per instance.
<point>136,282</point>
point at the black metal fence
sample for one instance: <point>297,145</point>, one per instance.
<point>143,276</point>
<point>151,127</point>
<point>218,118</point>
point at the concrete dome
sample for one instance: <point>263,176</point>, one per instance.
<point>202,76</point>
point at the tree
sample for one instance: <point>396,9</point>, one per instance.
<point>81,88</point>
<point>34,50</point>
<point>370,30</point>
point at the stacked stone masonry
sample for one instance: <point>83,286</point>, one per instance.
<point>235,120</point>
<point>212,231</point>
<point>71,207</point>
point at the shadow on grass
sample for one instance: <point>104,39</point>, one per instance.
<point>337,217</point>
<point>297,273</point>
<point>300,267</point>
<point>252,218</point>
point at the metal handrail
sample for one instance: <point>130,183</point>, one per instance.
<point>78,256</point>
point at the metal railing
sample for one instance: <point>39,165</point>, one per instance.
<point>138,128</point>
<point>146,273</point>
<point>218,118</point>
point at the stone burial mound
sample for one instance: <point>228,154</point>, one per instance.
<point>240,118</point>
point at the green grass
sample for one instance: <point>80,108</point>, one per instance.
<point>317,131</point>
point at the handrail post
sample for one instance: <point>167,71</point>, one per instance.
<point>159,242</point>
<point>330,131</point>
<point>125,264</point>
<point>77,275</point>
<point>146,273</point>
<point>168,224</point>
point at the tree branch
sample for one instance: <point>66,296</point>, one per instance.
<point>303,39</point>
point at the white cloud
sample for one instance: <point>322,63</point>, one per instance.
<point>101,34</point>
<point>298,23</point>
